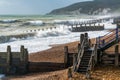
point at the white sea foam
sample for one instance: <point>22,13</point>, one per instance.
<point>36,22</point>
<point>8,20</point>
<point>71,21</point>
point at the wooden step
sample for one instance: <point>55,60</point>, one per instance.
<point>83,68</point>
<point>82,71</point>
<point>84,63</point>
<point>87,54</point>
<point>85,60</point>
<point>86,57</point>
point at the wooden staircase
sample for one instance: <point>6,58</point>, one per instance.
<point>85,58</point>
<point>84,64</point>
<point>88,56</point>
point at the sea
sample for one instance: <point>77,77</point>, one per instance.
<point>39,32</point>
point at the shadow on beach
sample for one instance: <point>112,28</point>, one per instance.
<point>45,66</point>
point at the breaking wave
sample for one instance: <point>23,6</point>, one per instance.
<point>41,34</point>
<point>10,38</point>
<point>9,21</point>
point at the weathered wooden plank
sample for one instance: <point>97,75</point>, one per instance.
<point>10,60</point>
<point>117,55</point>
<point>22,53</point>
<point>66,56</point>
<point>74,60</point>
<point>8,55</point>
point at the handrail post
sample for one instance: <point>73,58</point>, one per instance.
<point>117,34</point>
<point>103,42</point>
<point>99,41</point>
<point>96,40</point>
<point>81,38</point>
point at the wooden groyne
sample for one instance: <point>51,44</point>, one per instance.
<point>116,20</point>
<point>87,27</point>
<point>14,62</point>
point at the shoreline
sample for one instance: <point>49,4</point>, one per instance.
<point>52,52</point>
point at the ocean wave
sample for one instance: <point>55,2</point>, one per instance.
<point>47,33</point>
<point>9,21</point>
<point>72,21</point>
<point>36,23</point>
<point>59,31</point>
<point>51,34</point>
<point>33,23</point>
<point>10,38</point>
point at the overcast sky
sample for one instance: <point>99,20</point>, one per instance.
<point>32,6</point>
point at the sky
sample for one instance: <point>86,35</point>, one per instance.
<point>39,7</point>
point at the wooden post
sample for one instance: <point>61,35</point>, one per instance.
<point>74,61</point>
<point>96,58</point>
<point>8,58</point>
<point>69,73</point>
<point>89,43</point>
<point>103,42</point>
<point>72,26</point>
<point>86,40</point>
<point>117,55</point>
<point>8,55</point>
<point>80,25</point>
<point>99,25</point>
<point>118,25</point>
<point>26,55</point>
<point>22,53</point>
<point>76,26</point>
<point>81,38</point>
<point>90,24</point>
<point>100,56</point>
<point>66,56</point>
<point>99,43</point>
<point>26,60</point>
<point>117,35</point>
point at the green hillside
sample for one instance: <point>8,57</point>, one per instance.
<point>89,7</point>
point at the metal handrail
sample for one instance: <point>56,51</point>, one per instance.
<point>108,41</point>
<point>108,33</point>
<point>115,34</point>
